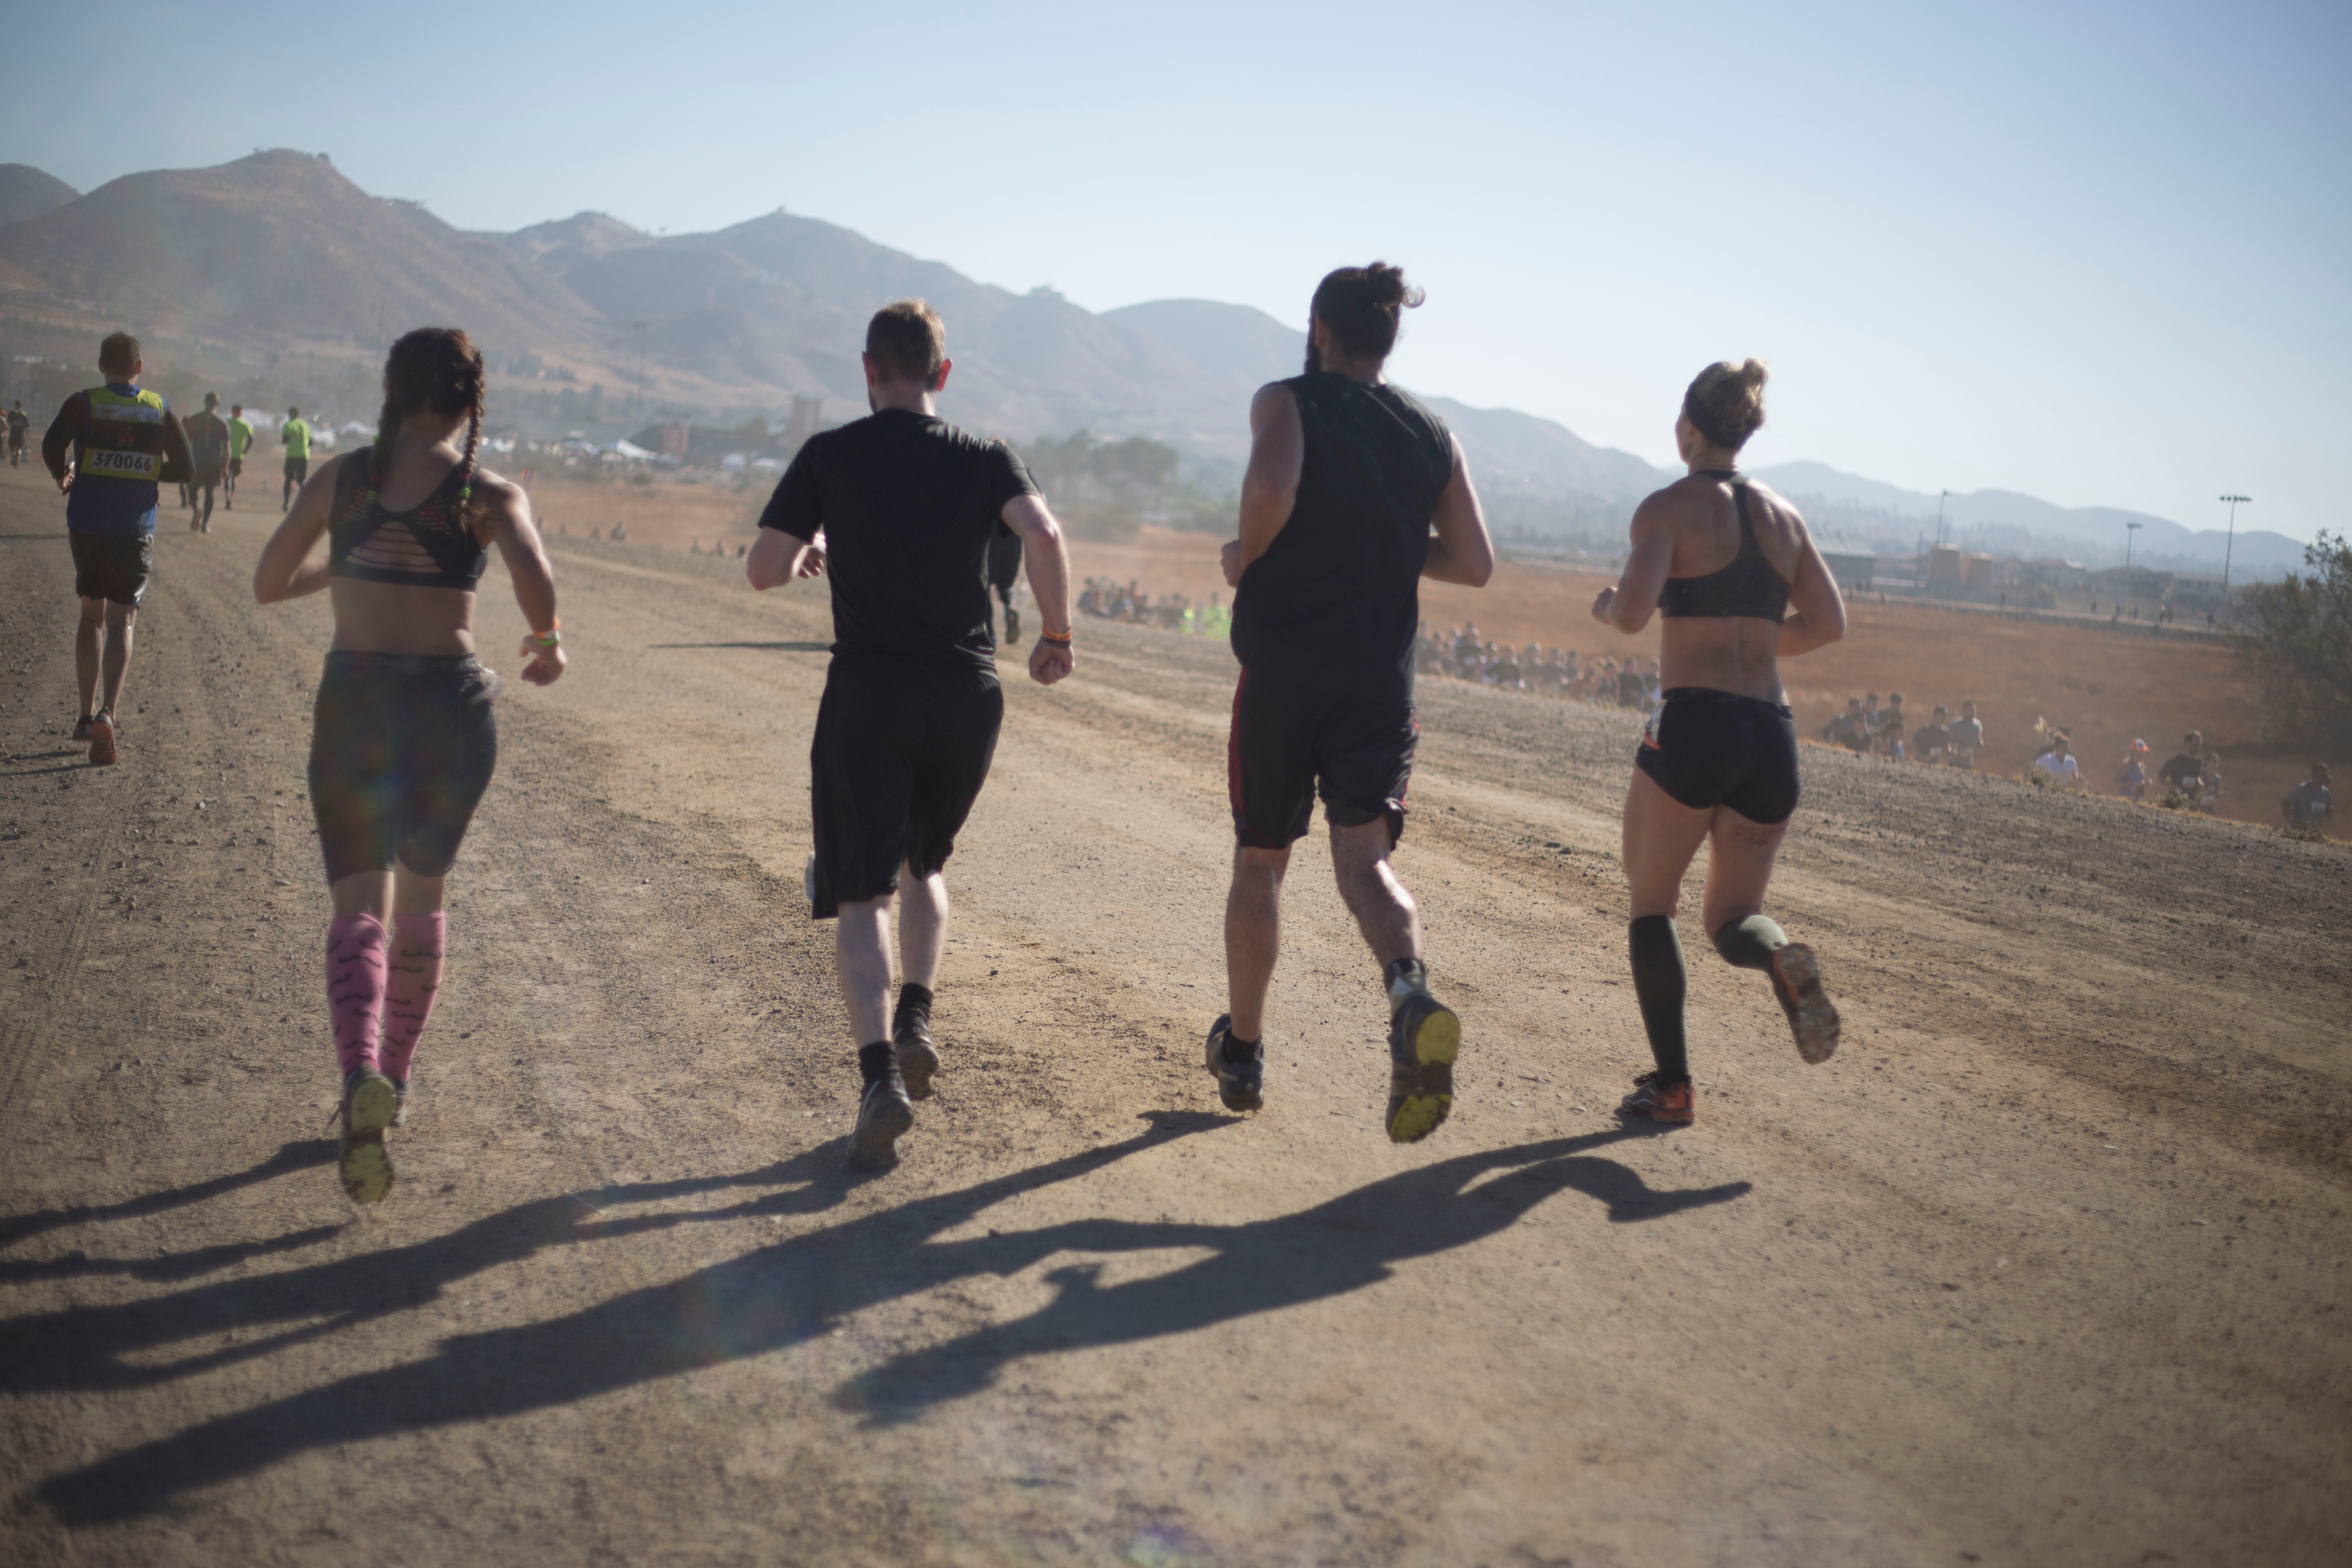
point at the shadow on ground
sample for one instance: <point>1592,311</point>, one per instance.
<point>769,1300</point>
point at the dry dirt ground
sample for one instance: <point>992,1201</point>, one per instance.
<point>2048,1266</point>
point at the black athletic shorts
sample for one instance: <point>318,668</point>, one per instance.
<point>236,466</point>
<point>112,566</point>
<point>900,752</point>
<point>297,469</point>
<point>1291,736</point>
<point>1709,748</point>
<point>402,747</point>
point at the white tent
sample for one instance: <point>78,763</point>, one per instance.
<point>631,450</point>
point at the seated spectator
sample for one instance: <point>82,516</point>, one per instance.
<point>1967,738</point>
<point>1848,729</point>
<point>2059,763</point>
<point>2184,771</point>
<point>2131,779</point>
<point>2308,806</point>
<point>1888,740</point>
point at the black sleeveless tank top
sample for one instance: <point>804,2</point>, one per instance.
<point>1748,586</point>
<point>426,547</point>
<point>1336,596</point>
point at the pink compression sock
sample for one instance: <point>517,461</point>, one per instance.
<point>355,987</point>
<point>413,976</point>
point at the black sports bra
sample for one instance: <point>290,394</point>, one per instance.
<point>428,546</point>
<point>1748,586</point>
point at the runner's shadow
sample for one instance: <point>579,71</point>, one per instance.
<point>169,1268</point>
<point>794,1292</point>
<point>302,1154</point>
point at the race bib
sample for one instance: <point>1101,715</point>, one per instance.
<point>119,464</point>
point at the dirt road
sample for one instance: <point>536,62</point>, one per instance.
<point>2048,1266</point>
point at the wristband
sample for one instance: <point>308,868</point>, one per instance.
<point>551,637</point>
<point>1059,639</point>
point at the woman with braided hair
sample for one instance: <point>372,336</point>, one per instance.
<point>1740,585</point>
<point>404,742</point>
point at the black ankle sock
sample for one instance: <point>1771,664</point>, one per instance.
<point>914,1008</point>
<point>1412,971</point>
<point>1659,980</point>
<point>1237,1051</point>
<point>1751,943</point>
<point>874,1061</point>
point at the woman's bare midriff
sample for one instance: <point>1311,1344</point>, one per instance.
<point>1729,653</point>
<point>393,617</point>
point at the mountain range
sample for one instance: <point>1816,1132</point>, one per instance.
<point>238,266</point>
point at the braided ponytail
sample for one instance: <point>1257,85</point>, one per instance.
<point>437,368</point>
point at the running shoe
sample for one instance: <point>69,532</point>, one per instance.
<point>81,728</point>
<point>102,734</point>
<point>1424,1037</point>
<point>400,1099</point>
<point>1241,1083</point>
<point>884,1115</point>
<point>918,1058</point>
<point>370,1103</point>
<point>1812,1018</point>
<point>1659,1103</point>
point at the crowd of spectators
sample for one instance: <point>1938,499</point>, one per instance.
<point>1869,730</point>
<point>1111,600</point>
<point>1463,654</point>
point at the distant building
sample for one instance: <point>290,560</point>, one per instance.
<point>1851,565</point>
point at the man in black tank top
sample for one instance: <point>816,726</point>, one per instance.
<point>1347,477</point>
<point>900,510</point>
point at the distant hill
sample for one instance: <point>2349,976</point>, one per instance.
<point>279,254</point>
<point>2007,522</point>
<point>26,192</point>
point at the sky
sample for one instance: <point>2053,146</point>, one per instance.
<point>2101,254</point>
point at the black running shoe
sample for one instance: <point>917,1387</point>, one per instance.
<point>884,1115</point>
<point>918,1058</point>
<point>103,734</point>
<point>1423,1037</point>
<point>1812,1017</point>
<point>1241,1084</point>
<point>363,1161</point>
<point>81,728</point>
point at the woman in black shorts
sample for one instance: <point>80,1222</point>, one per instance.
<point>1722,559</point>
<point>404,742</point>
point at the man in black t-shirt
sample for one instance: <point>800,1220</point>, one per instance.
<point>2185,773</point>
<point>1347,477</point>
<point>19,422</point>
<point>899,509</point>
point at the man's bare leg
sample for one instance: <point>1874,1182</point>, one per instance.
<point>922,937</point>
<point>1385,913</point>
<point>861,941</point>
<point>120,620</point>
<point>86,647</point>
<point>1253,935</point>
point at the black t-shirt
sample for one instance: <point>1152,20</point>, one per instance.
<point>2182,771</point>
<point>1336,596</point>
<point>1931,737</point>
<point>909,504</point>
<point>19,423</point>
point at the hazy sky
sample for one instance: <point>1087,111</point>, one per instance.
<point>2102,255</point>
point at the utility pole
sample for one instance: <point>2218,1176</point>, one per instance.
<point>1940,497</point>
<point>2130,530</point>
<point>642,327</point>
<point>2230,548</point>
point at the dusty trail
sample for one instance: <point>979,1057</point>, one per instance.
<point>2047,1266</point>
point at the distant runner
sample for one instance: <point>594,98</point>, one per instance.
<point>1721,559</point>
<point>295,436</point>
<point>19,422</point>
<point>1005,571</point>
<point>1347,477</point>
<point>240,437</point>
<point>2308,806</point>
<point>899,509</point>
<point>208,447</point>
<point>125,443</point>
<point>404,742</point>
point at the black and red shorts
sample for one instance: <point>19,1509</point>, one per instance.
<point>1293,739</point>
<point>898,756</point>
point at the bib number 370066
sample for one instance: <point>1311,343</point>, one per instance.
<point>117,464</point>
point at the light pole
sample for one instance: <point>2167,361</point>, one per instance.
<point>1940,497</point>
<point>2130,529</point>
<point>642,327</point>
<point>2230,548</point>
